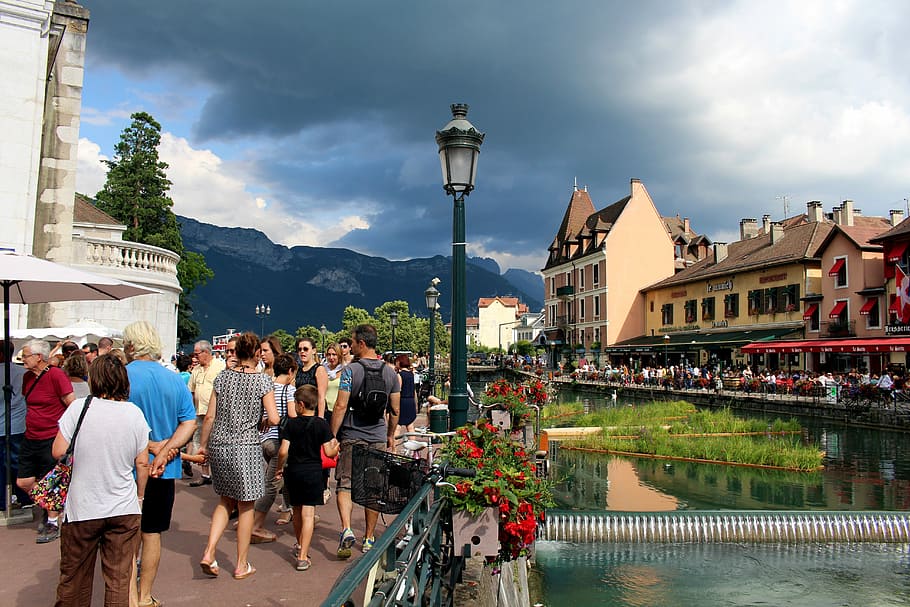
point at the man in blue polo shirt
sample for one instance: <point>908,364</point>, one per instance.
<point>168,407</point>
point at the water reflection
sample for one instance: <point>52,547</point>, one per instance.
<point>864,470</point>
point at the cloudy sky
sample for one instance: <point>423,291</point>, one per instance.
<point>314,121</point>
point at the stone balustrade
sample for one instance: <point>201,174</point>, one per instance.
<point>125,256</point>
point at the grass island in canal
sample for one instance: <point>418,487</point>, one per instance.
<point>678,430</point>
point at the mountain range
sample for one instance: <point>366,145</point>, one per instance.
<point>312,285</point>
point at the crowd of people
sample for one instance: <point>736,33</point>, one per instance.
<point>255,425</point>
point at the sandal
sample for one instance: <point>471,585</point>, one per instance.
<point>302,564</point>
<point>152,602</point>
<point>250,570</point>
<point>285,518</point>
<point>263,538</point>
<point>210,569</point>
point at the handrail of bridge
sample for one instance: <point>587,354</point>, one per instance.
<point>421,565</point>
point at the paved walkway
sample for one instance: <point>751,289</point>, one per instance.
<point>30,571</point>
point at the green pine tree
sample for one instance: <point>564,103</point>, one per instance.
<point>136,193</point>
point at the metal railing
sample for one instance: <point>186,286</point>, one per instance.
<point>420,569</point>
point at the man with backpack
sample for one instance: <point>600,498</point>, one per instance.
<point>366,413</point>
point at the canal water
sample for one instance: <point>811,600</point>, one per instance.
<point>864,470</point>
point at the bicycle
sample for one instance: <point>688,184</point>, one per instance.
<point>417,552</point>
<point>413,448</point>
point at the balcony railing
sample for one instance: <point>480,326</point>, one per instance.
<point>125,256</point>
<point>564,321</point>
<point>839,328</point>
<point>565,291</point>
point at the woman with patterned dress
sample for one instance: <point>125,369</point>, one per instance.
<point>230,444</point>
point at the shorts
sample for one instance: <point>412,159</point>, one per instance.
<point>345,455</point>
<point>304,485</point>
<point>35,458</point>
<point>158,505</point>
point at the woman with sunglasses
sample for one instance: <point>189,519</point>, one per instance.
<point>311,372</point>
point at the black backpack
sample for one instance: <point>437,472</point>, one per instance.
<point>371,401</point>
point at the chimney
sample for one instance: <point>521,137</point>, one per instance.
<point>766,223</point>
<point>814,211</point>
<point>686,227</point>
<point>720,251</point>
<point>846,215</point>
<point>837,216</point>
<point>897,216</point>
<point>748,228</point>
<point>777,232</point>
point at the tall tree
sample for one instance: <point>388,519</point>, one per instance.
<point>136,193</point>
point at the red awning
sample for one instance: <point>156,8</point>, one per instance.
<point>856,346</point>
<point>810,312</point>
<point>867,307</point>
<point>895,305</point>
<point>775,347</point>
<point>837,309</point>
<point>838,265</point>
<point>896,251</point>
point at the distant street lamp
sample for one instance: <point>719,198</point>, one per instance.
<point>261,312</point>
<point>323,330</point>
<point>459,146</point>
<point>432,297</point>
<point>393,320</point>
<point>666,351</point>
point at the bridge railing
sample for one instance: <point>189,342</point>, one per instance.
<point>412,563</point>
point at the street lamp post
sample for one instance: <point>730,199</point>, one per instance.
<point>666,352</point>
<point>432,297</point>
<point>323,330</point>
<point>459,146</point>
<point>393,320</point>
<point>261,312</point>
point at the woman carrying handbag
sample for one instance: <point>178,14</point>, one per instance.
<point>102,512</point>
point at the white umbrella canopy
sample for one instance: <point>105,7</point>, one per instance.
<point>81,332</point>
<point>24,280</point>
<point>34,280</point>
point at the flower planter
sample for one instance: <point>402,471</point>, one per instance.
<point>501,420</point>
<point>479,533</point>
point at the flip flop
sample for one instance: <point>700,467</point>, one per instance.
<point>285,517</point>
<point>210,569</point>
<point>250,570</point>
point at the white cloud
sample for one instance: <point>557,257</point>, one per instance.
<point>209,189</point>
<point>530,262</point>
<point>90,172</point>
<point>96,117</point>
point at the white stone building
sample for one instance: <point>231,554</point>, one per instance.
<point>42,51</point>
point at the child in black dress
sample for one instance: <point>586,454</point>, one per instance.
<point>301,440</point>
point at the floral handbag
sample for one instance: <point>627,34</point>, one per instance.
<point>50,492</point>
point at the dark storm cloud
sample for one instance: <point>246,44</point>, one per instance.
<point>351,93</point>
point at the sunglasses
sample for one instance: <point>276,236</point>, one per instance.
<point>345,346</point>
<point>304,349</point>
<point>230,350</point>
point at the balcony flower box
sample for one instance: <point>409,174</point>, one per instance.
<point>753,311</point>
<point>791,307</point>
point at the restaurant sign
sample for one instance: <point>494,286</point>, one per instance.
<point>897,329</point>
<point>724,285</point>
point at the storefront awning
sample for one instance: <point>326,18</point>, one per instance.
<point>855,346</point>
<point>555,337</point>
<point>896,251</point>
<point>688,342</point>
<point>837,309</point>
<point>895,305</point>
<point>810,312</point>
<point>838,265</point>
<point>867,307</point>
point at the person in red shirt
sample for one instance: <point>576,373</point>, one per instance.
<point>48,392</point>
